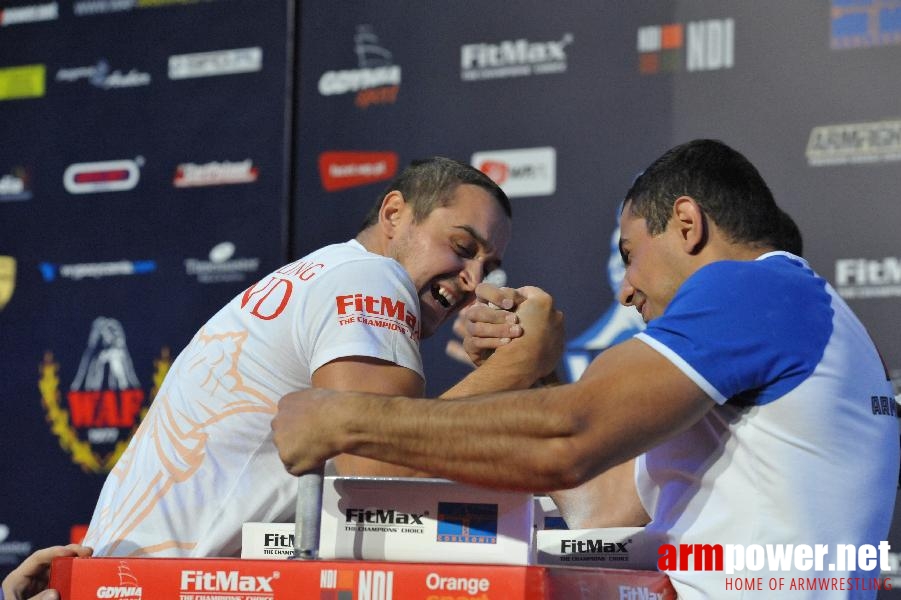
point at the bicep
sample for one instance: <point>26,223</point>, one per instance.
<point>634,398</point>
<point>366,374</point>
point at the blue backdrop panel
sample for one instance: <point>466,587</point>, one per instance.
<point>141,186</point>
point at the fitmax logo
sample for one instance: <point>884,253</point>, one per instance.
<point>390,516</point>
<point>593,547</point>
<point>224,581</point>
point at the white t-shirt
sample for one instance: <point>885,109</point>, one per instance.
<point>802,447</point>
<point>203,462</point>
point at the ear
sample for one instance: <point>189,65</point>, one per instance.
<point>691,222</point>
<point>393,206</point>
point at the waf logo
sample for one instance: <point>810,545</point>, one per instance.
<point>696,46</point>
<point>375,81</point>
<point>128,587</point>
<point>383,311</point>
<point>342,170</point>
<point>104,176</point>
<point>467,523</point>
<point>105,403</point>
<point>365,584</point>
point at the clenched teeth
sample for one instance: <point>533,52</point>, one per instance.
<point>443,296</point>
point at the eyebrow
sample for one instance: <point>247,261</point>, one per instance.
<point>483,242</point>
<point>622,252</point>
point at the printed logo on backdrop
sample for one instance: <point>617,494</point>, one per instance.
<point>239,586</point>
<point>694,46</point>
<point>365,584</point>
<point>865,23</point>
<point>376,80</point>
<point>12,552</point>
<point>24,81</point>
<point>514,58</point>
<point>854,143</point>
<point>342,170</point>
<point>15,186</point>
<point>101,76</point>
<point>7,279</point>
<point>31,13</point>
<point>467,523</point>
<point>520,172</point>
<point>86,8</point>
<point>221,266</point>
<point>217,62</point>
<point>51,271</point>
<point>859,278</point>
<point>96,417</point>
<point>103,176</point>
<point>215,173</point>
<point>127,588</point>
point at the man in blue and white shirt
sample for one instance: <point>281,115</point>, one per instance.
<point>754,410</point>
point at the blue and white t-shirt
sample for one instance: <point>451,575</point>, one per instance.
<point>802,446</point>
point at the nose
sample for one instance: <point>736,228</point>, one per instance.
<point>626,294</point>
<point>472,275</point>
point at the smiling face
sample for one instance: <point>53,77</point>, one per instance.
<point>448,253</point>
<point>653,266</point>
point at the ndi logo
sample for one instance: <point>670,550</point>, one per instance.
<point>467,523</point>
<point>696,46</point>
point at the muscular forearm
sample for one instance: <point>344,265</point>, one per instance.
<point>497,374</point>
<point>502,444</point>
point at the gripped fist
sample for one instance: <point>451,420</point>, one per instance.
<point>304,429</point>
<point>540,345</point>
<point>488,323</point>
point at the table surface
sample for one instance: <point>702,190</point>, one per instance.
<point>249,579</point>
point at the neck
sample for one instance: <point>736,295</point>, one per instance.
<point>371,241</point>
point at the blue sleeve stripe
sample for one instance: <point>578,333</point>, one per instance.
<point>683,366</point>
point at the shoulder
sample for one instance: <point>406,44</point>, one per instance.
<point>350,260</point>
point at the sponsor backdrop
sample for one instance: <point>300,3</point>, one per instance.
<point>159,156</point>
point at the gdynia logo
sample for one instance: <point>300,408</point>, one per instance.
<point>773,559</point>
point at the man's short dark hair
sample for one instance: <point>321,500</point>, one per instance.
<point>726,186</point>
<point>429,183</point>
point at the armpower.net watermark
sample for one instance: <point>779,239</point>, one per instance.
<point>785,566</point>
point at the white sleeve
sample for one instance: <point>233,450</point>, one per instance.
<point>365,307</point>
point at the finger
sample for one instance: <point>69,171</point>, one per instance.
<point>482,313</point>
<point>507,329</point>
<point>503,297</point>
<point>46,595</point>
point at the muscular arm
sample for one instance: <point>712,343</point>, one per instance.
<point>539,440</point>
<point>361,373</point>
<point>608,500</point>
